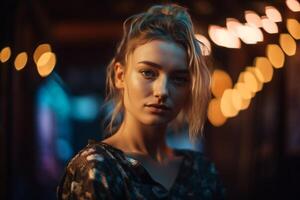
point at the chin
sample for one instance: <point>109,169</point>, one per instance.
<point>156,121</point>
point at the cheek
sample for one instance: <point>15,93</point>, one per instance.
<point>136,87</point>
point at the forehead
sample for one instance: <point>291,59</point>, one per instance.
<point>167,54</point>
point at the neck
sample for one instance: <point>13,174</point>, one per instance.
<point>143,139</point>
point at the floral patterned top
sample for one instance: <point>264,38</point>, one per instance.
<point>101,171</point>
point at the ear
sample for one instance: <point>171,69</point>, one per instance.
<point>119,75</point>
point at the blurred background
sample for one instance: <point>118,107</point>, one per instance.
<point>52,84</point>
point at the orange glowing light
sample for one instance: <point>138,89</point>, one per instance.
<point>5,54</point>
<point>21,60</point>
<point>293,5</point>
<point>273,14</point>
<point>40,50</point>
<point>293,27</point>
<point>268,25</point>
<point>222,37</point>
<point>275,55</point>
<point>214,113</point>
<point>265,68</point>
<point>46,63</point>
<point>204,44</point>
<point>288,44</point>
<point>249,34</point>
<point>253,18</point>
<point>227,107</point>
<point>220,82</point>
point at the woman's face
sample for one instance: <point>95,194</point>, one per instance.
<point>156,82</point>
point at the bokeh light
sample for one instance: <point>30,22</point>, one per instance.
<point>40,50</point>
<point>232,25</point>
<point>253,18</point>
<point>46,63</point>
<point>249,34</point>
<point>268,25</point>
<point>227,107</point>
<point>214,113</point>
<point>256,73</point>
<point>275,55</point>
<point>5,54</point>
<point>250,81</point>
<point>293,5</point>
<point>265,68</point>
<point>273,14</point>
<point>288,44</point>
<point>205,46</point>
<point>293,27</point>
<point>21,60</point>
<point>220,82</point>
<point>223,37</point>
<point>244,91</point>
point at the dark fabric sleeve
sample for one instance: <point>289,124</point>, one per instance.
<point>220,192</point>
<point>212,185</point>
<point>82,187</point>
<point>85,180</point>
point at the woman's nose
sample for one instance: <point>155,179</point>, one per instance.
<point>161,89</point>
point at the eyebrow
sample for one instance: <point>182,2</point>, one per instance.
<point>152,64</point>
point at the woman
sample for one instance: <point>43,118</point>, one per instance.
<point>157,80</point>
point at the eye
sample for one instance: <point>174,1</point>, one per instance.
<point>148,74</point>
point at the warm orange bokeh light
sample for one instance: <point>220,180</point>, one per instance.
<point>275,55</point>
<point>250,34</point>
<point>264,67</point>
<point>253,18</point>
<point>46,63</point>
<point>244,91</point>
<point>268,25</point>
<point>40,50</point>
<point>257,75</point>
<point>21,60</point>
<point>5,54</point>
<point>293,5</point>
<point>214,113</point>
<point>293,27</point>
<point>220,82</point>
<point>205,46</point>
<point>223,37</point>
<point>250,81</point>
<point>273,14</point>
<point>288,44</point>
<point>227,107</point>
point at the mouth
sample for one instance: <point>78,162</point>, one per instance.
<point>159,106</point>
<point>158,109</point>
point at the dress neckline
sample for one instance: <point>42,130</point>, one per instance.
<point>178,152</point>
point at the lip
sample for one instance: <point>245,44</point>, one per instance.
<point>158,108</point>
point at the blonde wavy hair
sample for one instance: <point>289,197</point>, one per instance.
<point>169,22</point>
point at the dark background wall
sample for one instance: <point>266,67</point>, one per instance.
<point>257,152</point>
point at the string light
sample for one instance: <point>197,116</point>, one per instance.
<point>5,54</point>
<point>205,44</point>
<point>253,18</point>
<point>46,63</point>
<point>288,44</point>
<point>275,55</point>
<point>222,37</point>
<point>214,113</point>
<point>273,14</point>
<point>293,5</point>
<point>268,25</point>
<point>220,82</point>
<point>293,27</point>
<point>21,60</point>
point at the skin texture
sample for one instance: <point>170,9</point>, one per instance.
<point>156,73</point>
